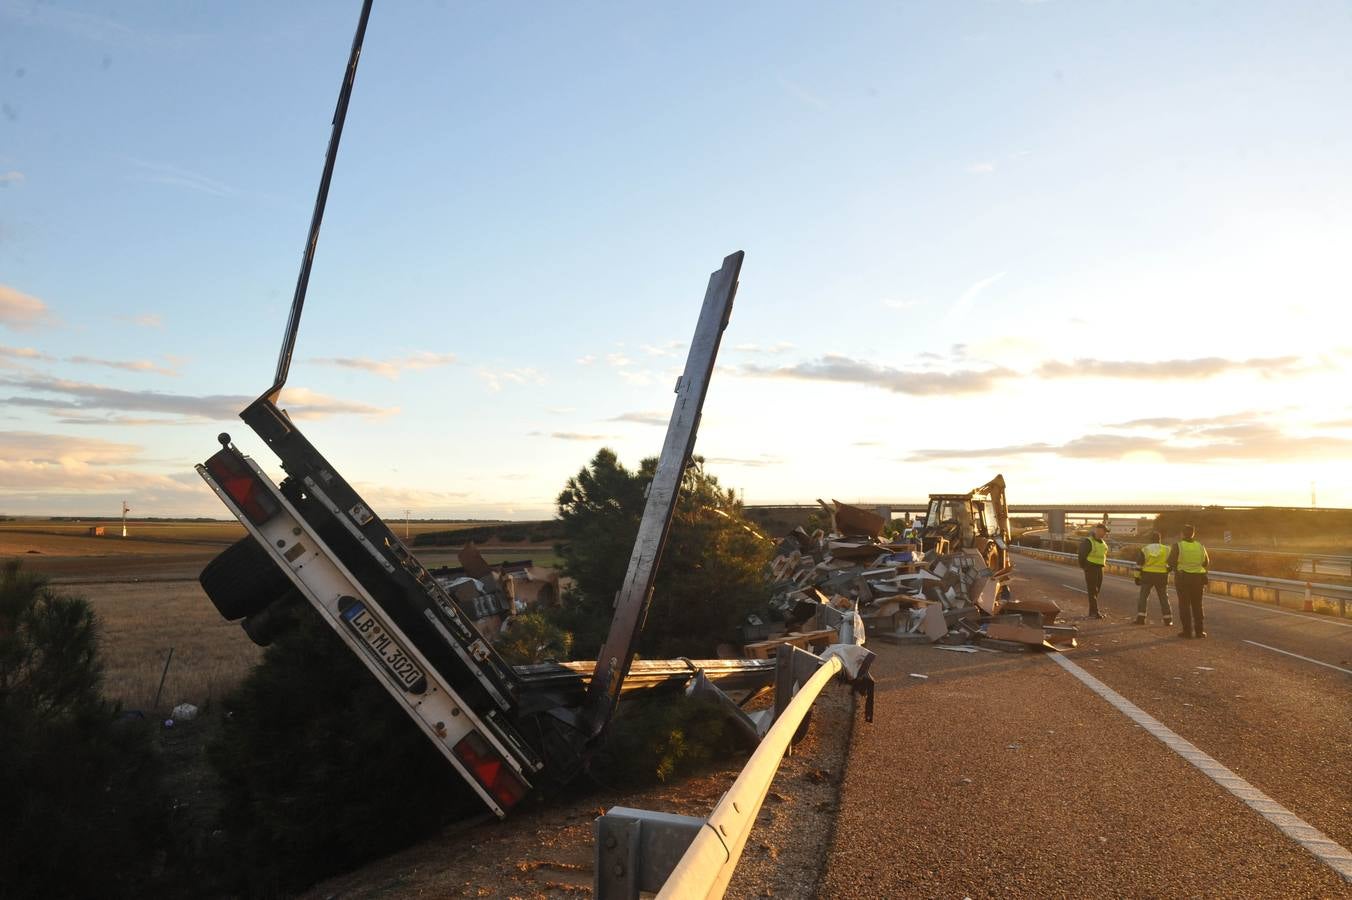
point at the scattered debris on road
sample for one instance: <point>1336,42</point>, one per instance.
<point>944,582</point>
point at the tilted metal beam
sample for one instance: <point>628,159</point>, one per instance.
<point>631,603</point>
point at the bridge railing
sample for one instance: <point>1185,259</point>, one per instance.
<point>1232,584</point>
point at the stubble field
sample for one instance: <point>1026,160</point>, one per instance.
<point>145,593</point>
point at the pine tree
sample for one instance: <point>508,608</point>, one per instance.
<point>82,810</point>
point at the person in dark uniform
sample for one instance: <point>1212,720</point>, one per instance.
<point>1188,560</point>
<point>1093,557</point>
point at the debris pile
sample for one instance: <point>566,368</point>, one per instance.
<point>491,595</point>
<point>917,587</point>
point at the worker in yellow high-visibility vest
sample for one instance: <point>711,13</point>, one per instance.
<point>1093,557</point>
<point>1188,560</point>
<point>1153,559</point>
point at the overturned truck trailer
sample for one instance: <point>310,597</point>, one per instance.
<point>502,727</point>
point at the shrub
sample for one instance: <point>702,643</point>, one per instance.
<point>82,808</point>
<point>531,638</point>
<point>320,769</point>
<point>710,574</point>
<point>663,738</point>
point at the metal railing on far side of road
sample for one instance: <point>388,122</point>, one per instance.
<point>691,858</point>
<point>1258,588</point>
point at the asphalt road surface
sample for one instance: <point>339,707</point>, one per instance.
<point>1014,775</point>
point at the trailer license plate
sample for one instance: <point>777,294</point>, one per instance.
<point>396,659</point>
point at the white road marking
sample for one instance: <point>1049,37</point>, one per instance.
<point>1298,656</point>
<point>1261,608</point>
<point>1325,849</point>
<point>1074,588</point>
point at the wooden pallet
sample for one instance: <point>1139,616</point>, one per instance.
<point>807,640</point>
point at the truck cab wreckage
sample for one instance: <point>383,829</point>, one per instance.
<point>502,728</point>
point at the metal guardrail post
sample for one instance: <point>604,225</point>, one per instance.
<point>636,850</point>
<point>794,667</point>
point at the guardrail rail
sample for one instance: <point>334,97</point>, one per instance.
<point>1258,588</point>
<point>687,857</point>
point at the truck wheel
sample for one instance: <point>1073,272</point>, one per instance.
<point>263,627</point>
<point>243,580</point>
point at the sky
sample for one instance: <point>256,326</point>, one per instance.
<point>1099,247</point>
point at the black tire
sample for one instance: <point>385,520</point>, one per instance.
<point>265,626</point>
<point>243,580</point>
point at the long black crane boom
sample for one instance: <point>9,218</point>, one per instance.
<point>317,218</point>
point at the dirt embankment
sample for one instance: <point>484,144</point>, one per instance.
<point>548,852</point>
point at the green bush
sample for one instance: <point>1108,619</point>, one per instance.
<point>531,638</point>
<point>82,807</point>
<point>663,738</point>
<point>710,574</point>
<point>320,769</point>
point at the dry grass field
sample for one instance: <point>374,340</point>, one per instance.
<point>141,621</point>
<point>144,590</point>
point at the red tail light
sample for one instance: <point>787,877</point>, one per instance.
<point>491,770</point>
<point>235,477</point>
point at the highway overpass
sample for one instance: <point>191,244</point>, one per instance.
<point>1055,514</point>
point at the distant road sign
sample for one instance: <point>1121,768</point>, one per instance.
<point>1226,536</point>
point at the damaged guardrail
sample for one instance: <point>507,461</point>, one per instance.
<point>688,857</point>
<point>1259,588</point>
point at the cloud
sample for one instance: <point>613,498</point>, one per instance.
<point>901,303</point>
<point>1201,367</point>
<point>22,353</point>
<point>133,365</point>
<point>1180,426</point>
<point>1251,442</point>
<point>390,368</point>
<point>12,177</point>
<point>79,24</point>
<point>586,360</point>
<point>642,418</point>
<point>981,168</point>
<point>22,311</point>
<point>773,349</point>
<point>755,462</point>
<point>64,394</point>
<point>670,348</point>
<point>38,447</point>
<point>842,369</point>
<point>145,320</point>
<point>37,467</point>
<point>77,418</point>
<point>641,379</point>
<point>174,176</point>
<point>74,397</point>
<point>802,94</point>
<point>572,436</point>
<point>303,403</point>
<point>390,502</point>
<point>973,291</point>
<point>495,378</point>
<point>618,360</point>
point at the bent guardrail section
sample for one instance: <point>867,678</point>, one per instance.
<point>1258,588</point>
<point>687,857</point>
